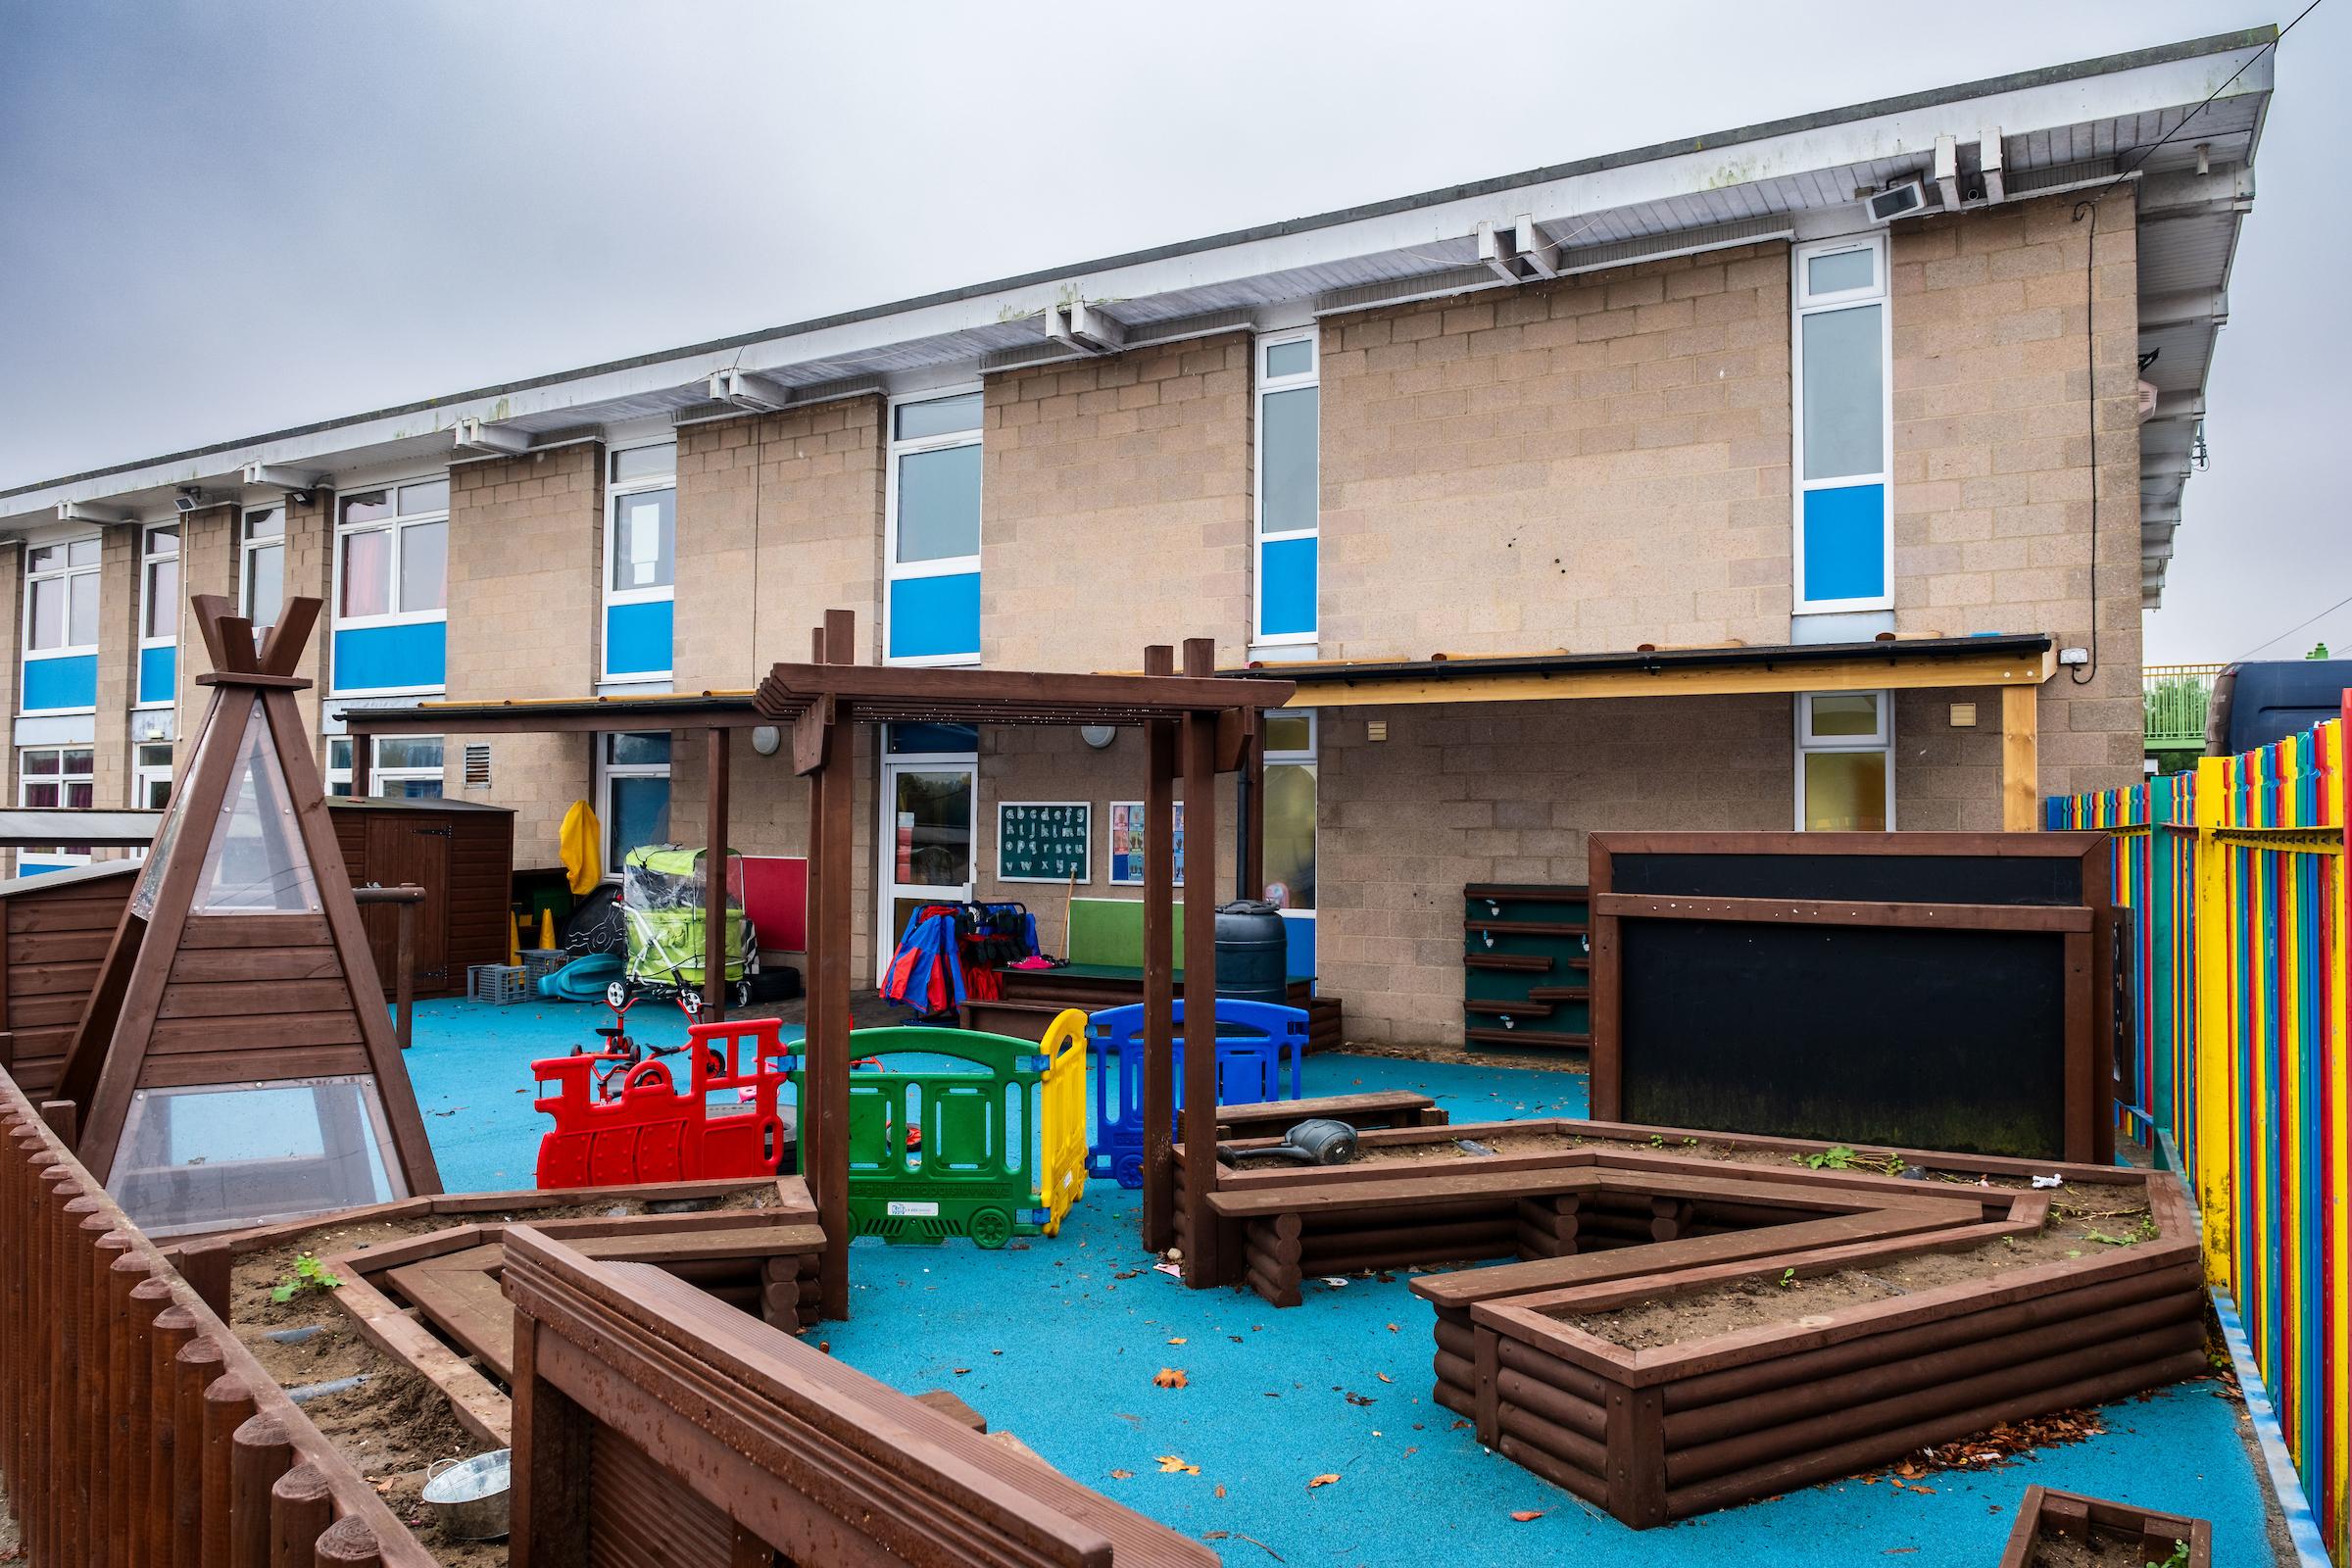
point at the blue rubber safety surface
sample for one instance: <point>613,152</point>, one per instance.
<point>1058,1340</point>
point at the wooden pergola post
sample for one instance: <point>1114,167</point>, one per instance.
<point>1201,975</point>
<point>827,1047</point>
<point>1159,976</point>
<point>1251,884</point>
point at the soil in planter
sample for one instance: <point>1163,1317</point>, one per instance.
<point>395,1424</point>
<point>2082,1222</point>
<point>1446,1145</point>
<point>2102,1550</point>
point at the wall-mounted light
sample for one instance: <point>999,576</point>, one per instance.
<point>766,739</point>
<point>1097,736</point>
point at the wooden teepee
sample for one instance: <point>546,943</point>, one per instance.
<point>235,1063</point>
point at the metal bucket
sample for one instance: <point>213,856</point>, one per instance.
<point>469,1496</point>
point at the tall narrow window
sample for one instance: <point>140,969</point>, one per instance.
<point>262,565</point>
<point>49,777</point>
<point>150,775</point>
<point>633,790</point>
<point>159,615</point>
<point>933,611</point>
<point>1290,433</point>
<point>392,589</point>
<point>640,569</point>
<point>61,627</point>
<point>1844,529</point>
<point>1845,762</point>
<point>1290,809</point>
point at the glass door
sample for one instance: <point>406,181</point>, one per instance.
<point>927,838</point>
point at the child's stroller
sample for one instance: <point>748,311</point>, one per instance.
<point>661,912</point>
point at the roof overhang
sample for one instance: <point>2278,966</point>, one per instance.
<point>559,715</point>
<point>2034,133</point>
<point>1911,663</point>
<point>77,824</point>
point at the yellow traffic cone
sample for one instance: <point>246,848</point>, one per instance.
<point>547,929</point>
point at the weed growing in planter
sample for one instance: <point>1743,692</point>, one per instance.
<point>310,1276</point>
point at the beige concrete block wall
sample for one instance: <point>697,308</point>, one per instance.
<point>310,574</point>
<point>1994,381</point>
<point>208,564</point>
<point>526,542</point>
<point>779,520</point>
<point>1507,791</point>
<point>1590,465</point>
<point>118,664</point>
<point>1116,506</point>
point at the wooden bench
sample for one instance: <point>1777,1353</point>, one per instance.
<point>656,1412</point>
<point>1374,1108</point>
<point>1466,1214</point>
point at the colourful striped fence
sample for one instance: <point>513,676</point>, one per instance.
<point>2237,877</point>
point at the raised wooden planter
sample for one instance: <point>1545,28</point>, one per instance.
<point>2045,1513</point>
<point>1659,1435</point>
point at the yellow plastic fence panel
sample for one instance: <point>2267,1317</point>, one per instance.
<point>1061,1118</point>
<point>2216,1107</point>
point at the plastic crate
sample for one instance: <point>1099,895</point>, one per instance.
<point>539,962</point>
<point>499,984</point>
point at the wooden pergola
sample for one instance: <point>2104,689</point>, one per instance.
<point>1195,726</point>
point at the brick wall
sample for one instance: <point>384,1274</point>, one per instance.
<point>1590,465</point>
<point>779,520</point>
<point>1993,451</point>
<point>1117,507</point>
<point>525,552</point>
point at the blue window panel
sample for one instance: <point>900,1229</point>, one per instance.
<point>375,657</point>
<point>637,638</point>
<point>1299,950</point>
<point>67,682</point>
<point>1845,543</point>
<point>935,617</point>
<point>158,673</point>
<point>1286,586</point>
<point>28,866</point>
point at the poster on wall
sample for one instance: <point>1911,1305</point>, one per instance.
<point>1045,841</point>
<point>1127,844</point>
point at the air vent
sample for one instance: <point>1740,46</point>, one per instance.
<point>477,764</point>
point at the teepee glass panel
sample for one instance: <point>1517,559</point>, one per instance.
<point>222,1156</point>
<point>256,863</point>
<point>175,812</point>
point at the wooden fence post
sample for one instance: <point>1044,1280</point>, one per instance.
<point>301,1510</point>
<point>227,1405</point>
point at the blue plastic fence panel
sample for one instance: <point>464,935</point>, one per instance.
<point>1286,586</point>
<point>1261,1050</point>
<point>935,617</point>
<point>390,658</point>
<point>637,638</point>
<point>1845,543</point>
<point>158,673</point>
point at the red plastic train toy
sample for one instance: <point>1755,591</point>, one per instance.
<point>651,1131</point>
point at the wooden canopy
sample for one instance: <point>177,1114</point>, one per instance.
<point>1195,725</point>
<point>234,1063</point>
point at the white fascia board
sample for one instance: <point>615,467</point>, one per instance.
<point>1413,225</point>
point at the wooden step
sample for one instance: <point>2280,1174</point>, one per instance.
<point>1558,993</point>
<point>1529,928</point>
<point>1523,963</point>
<point>1508,1007</point>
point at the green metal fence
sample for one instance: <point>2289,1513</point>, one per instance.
<point>2175,699</point>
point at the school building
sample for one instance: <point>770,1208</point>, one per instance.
<point>1809,474</point>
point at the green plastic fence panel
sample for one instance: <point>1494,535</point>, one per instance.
<point>941,1151</point>
<point>1110,932</point>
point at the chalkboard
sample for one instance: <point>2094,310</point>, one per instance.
<point>1045,841</point>
<point>1920,1039</point>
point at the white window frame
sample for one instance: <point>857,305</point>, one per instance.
<point>1804,302</point>
<point>1880,740</point>
<point>63,574</point>
<point>615,492</point>
<point>1264,386</point>
<point>60,778</point>
<point>248,546</point>
<point>377,775</point>
<point>147,560</point>
<point>1311,754</point>
<point>946,567</point>
<point>398,524</point>
<point>607,771</point>
<point>144,773</point>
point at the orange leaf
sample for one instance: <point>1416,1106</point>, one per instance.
<point>1123,1475</point>
<point>1167,1377</point>
<point>1221,1492</point>
<point>1178,1340</point>
<point>1384,1377</point>
<point>1321,1481</point>
<point>1523,1515</point>
<point>1170,1465</point>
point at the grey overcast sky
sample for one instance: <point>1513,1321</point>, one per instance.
<point>221,216</point>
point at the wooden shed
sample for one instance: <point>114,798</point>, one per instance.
<point>53,931</point>
<point>461,852</point>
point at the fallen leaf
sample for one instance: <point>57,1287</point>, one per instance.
<point>1360,1398</point>
<point>1123,1475</point>
<point>1170,1465</point>
<point>1178,1340</point>
<point>1384,1377</point>
<point>1523,1515</point>
<point>1167,1377</point>
<point>1392,1328</point>
<point>1321,1481</point>
<point>961,1371</point>
<point>1220,1489</point>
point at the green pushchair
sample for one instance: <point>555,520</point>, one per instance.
<point>662,914</point>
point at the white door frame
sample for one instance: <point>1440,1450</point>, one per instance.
<point>886,841</point>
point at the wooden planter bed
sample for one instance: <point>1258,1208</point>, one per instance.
<point>2059,1529</point>
<point>1870,1353</point>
